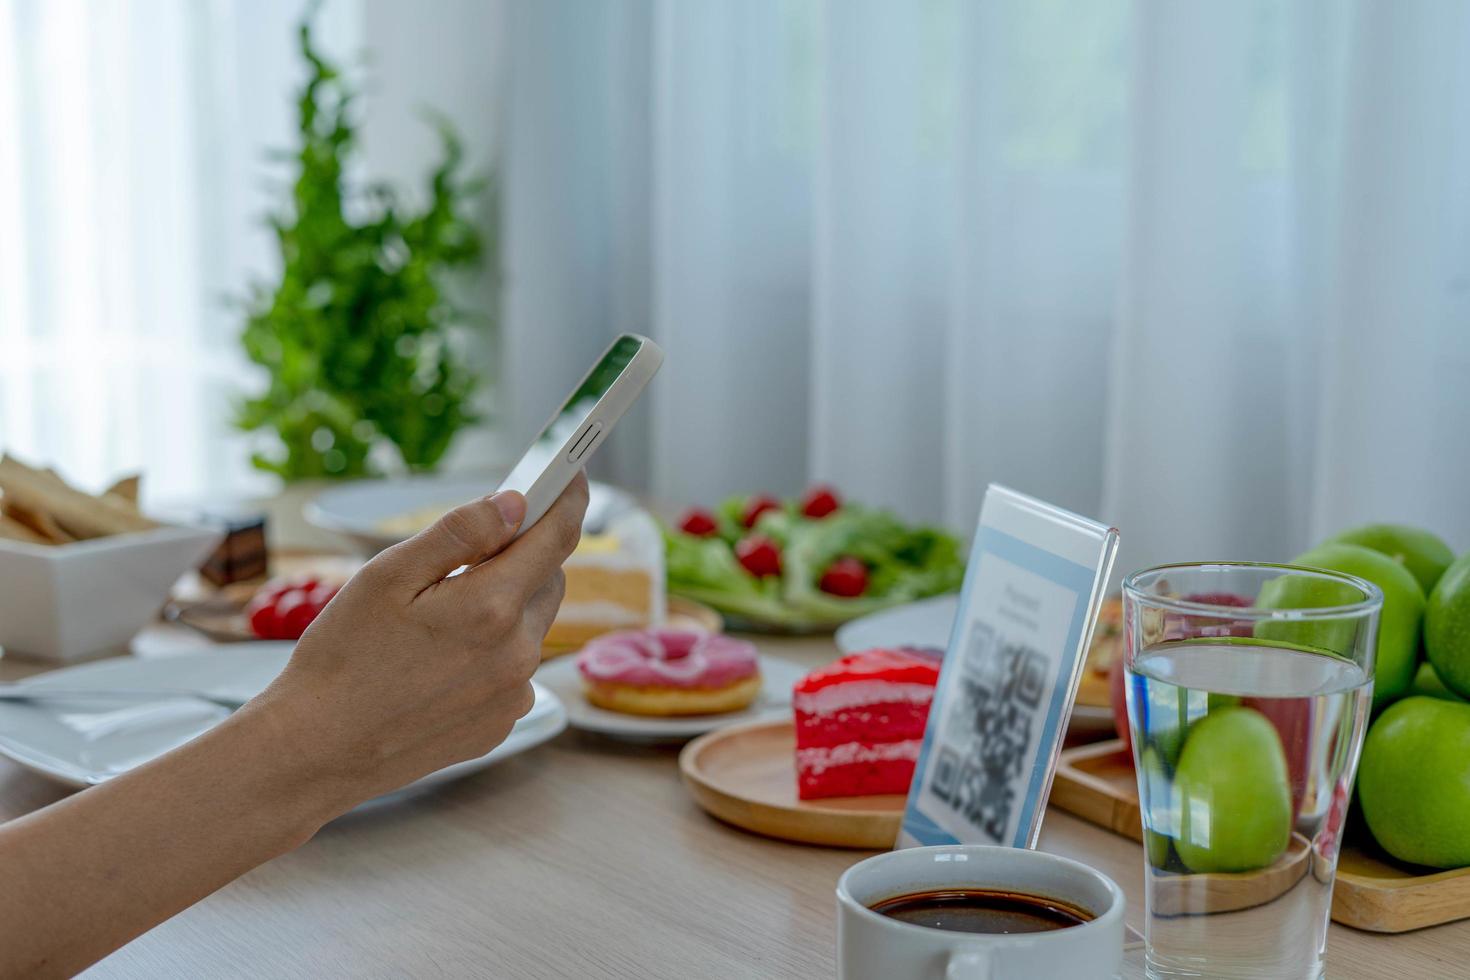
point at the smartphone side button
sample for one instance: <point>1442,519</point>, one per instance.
<point>584,442</point>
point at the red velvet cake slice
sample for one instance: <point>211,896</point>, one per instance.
<point>860,722</point>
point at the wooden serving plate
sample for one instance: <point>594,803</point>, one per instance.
<point>1096,782</point>
<point>746,775</point>
<point>1231,892</point>
<point>1373,892</point>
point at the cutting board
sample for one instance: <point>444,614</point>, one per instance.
<point>1373,892</point>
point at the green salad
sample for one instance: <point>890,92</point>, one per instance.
<point>810,563</point>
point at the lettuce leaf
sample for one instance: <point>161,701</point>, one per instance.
<point>904,563</point>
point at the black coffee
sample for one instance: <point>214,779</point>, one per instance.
<point>979,910</point>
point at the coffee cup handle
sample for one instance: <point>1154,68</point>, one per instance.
<point>968,964</point>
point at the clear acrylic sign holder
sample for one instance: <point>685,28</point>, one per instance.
<point>1032,590</point>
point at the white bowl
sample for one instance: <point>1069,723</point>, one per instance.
<point>356,510</point>
<point>70,601</point>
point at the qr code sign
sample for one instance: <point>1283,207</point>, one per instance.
<point>984,761</point>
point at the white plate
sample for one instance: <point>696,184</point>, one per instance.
<point>925,623</point>
<point>561,678</point>
<point>80,743</point>
<point>355,509</point>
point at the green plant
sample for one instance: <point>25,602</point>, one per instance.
<point>357,337</point>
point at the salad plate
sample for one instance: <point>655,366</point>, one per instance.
<point>81,742</point>
<point>806,565</point>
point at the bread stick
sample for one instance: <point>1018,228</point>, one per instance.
<point>13,530</point>
<point>80,515</point>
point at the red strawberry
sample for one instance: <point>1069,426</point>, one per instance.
<point>700,523</point>
<point>759,555</point>
<point>757,506</point>
<point>820,501</point>
<point>846,577</point>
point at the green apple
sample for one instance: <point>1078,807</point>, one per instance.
<point>1234,793</point>
<point>1447,627</point>
<point>1172,710</point>
<point>1399,625</point>
<point>1414,783</point>
<point>1423,554</point>
<point>1155,775</point>
<point>1301,592</point>
<point>1428,684</point>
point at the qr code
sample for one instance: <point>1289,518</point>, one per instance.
<point>983,762</point>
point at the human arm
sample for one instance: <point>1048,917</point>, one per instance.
<point>406,671</point>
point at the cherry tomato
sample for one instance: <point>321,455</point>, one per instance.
<point>294,612</point>
<point>263,620</point>
<point>283,609</point>
<point>820,501</point>
<point>270,592</point>
<point>757,506</point>
<point>846,577</point>
<point>700,523</point>
<point>759,555</point>
<point>322,593</point>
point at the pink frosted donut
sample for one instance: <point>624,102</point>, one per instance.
<point>667,658</point>
<point>669,672</point>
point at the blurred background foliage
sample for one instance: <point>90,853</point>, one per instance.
<point>358,338</point>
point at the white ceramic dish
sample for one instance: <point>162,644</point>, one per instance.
<point>356,510</point>
<point>925,623</point>
<point>70,601</point>
<point>81,743</point>
<point>561,678</point>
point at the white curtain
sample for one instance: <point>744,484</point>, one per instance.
<point>133,181</point>
<point>1196,268</point>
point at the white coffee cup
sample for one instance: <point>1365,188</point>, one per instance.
<point>871,946</point>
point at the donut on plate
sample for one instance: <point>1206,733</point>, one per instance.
<point>669,672</point>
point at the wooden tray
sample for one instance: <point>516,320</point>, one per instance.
<point>746,775</point>
<point>1373,892</point>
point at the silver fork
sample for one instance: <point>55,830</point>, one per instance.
<point>28,694</point>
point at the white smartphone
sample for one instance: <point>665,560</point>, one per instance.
<point>582,423</point>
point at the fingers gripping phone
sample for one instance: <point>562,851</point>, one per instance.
<point>582,424</point>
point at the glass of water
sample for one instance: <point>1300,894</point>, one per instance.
<point>1248,691</point>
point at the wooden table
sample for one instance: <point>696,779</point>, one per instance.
<point>582,858</point>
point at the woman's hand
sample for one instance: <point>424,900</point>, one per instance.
<point>406,670</point>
